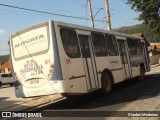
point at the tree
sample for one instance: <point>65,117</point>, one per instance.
<point>4,58</point>
<point>140,28</point>
<point>150,13</point>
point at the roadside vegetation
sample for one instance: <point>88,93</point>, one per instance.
<point>140,28</point>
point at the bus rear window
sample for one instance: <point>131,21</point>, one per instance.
<point>33,41</point>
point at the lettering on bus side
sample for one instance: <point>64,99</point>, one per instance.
<point>29,40</point>
<point>32,67</point>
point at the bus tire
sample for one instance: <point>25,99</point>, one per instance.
<point>142,73</point>
<point>106,83</point>
<point>11,84</point>
<point>0,84</point>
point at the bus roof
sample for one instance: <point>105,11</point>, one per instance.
<point>69,25</point>
<point>64,24</point>
<point>29,28</point>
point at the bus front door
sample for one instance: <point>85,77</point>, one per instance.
<point>88,61</point>
<point>124,58</point>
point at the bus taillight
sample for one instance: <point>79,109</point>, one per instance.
<point>16,76</point>
<point>52,66</point>
<point>51,70</point>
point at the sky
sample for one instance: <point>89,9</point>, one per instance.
<point>12,20</point>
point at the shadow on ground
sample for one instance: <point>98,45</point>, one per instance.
<point>124,92</point>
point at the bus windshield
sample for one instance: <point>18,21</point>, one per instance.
<point>30,42</point>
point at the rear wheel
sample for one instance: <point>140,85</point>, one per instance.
<point>106,83</point>
<point>11,84</point>
<point>142,73</point>
<point>0,84</point>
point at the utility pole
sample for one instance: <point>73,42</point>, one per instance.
<point>108,15</point>
<point>90,11</point>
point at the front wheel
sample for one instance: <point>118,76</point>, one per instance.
<point>106,83</point>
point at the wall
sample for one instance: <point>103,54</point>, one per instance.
<point>154,59</point>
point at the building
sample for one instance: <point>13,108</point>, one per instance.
<point>153,48</point>
<point>6,67</point>
<point>142,35</point>
<point>154,53</point>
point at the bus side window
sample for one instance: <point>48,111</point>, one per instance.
<point>99,44</point>
<point>70,42</point>
<point>84,46</point>
<point>131,46</point>
<point>112,45</point>
<point>138,46</point>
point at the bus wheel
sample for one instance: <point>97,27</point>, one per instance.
<point>106,83</point>
<point>0,84</point>
<point>142,73</point>
<point>11,84</point>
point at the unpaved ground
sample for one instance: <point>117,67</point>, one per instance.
<point>142,104</point>
<point>134,96</point>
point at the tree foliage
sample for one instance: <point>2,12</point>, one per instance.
<point>140,28</point>
<point>149,13</point>
<point>4,58</point>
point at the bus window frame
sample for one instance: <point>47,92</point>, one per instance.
<point>78,44</point>
<point>106,54</point>
<point>136,40</point>
<point>118,53</point>
<point>135,49</point>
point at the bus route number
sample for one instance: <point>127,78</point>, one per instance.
<point>47,61</point>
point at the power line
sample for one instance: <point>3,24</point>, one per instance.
<point>44,12</point>
<point>121,18</point>
<point>14,12</point>
<point>125,2</point>
<point>81,3</point>
<point>99,22</point>
<point>4,50</point>
<point>129,5</point>
<point>11,12</point>
<point>118,9</point>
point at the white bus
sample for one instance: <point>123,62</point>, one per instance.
<point>57,57</point>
